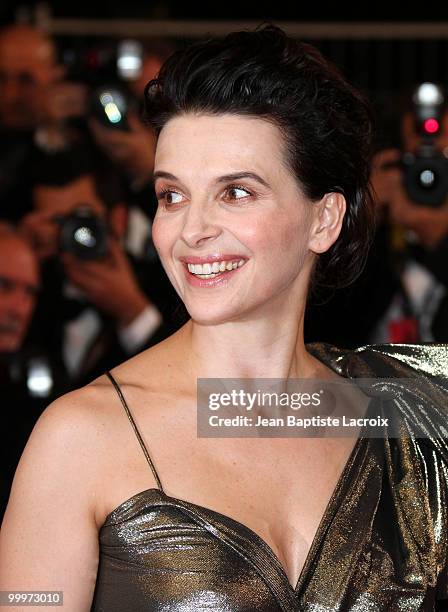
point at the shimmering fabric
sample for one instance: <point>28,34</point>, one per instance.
<point>382,543</point>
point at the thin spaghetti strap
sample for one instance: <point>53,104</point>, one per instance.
<point>137,433</point>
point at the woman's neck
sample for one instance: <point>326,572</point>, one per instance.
<point>249,349</point>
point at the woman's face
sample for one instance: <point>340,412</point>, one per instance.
<point>226,196</point>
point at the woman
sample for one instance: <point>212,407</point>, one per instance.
<point>263,161</point>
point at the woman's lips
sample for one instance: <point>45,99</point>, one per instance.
<point>197,259</point>
<point>221,278</point>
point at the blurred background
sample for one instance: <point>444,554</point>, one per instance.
<point>81,286</point>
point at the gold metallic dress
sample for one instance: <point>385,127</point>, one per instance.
<point>382,543</point>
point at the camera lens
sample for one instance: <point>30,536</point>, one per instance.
<point>83,234</point>
<point>427,178</point>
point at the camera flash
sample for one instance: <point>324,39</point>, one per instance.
<point>428,94</point>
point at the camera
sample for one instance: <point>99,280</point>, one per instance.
<point>425,172</point>
<point>83,234</point>
<point>111,103</point>
<point>109,98</point>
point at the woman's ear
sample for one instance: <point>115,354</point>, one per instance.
<point>327,222</point>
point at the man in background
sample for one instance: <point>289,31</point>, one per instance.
<point>95,312</point>
<point>34,102</point>
<point>19,286</point>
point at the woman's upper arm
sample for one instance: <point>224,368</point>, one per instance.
<point>49,536</point>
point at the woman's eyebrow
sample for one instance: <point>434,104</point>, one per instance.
<point>163,174</point>
<point>234,176</point>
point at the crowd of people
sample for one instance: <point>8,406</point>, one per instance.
<point>74,316</point>
<point>65,319</point>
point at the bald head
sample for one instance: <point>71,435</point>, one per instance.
<point>19,282</point>
<point>28,66</point>
<point>23,41</point>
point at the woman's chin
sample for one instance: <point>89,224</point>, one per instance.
<point>204,316</point>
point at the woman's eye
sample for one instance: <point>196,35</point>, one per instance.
<point>169,197</point>
<point>237,193</point>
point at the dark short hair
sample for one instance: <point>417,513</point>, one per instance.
<point>64,167</point>
<point>327,125</point>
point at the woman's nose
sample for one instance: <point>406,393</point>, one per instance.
<point>200,224</point>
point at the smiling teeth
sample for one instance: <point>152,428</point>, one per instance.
<point>208,270</point>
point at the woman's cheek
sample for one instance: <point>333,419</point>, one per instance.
<point>164,242</point>
<point>157,235</point>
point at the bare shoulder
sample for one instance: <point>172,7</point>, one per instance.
<point>63,439</point>
<point>49,532</point>
<point>74,420</point>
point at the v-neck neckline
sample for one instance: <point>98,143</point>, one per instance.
<point>320,531</point>
<point>255,537</point>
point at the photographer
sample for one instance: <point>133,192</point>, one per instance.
<point>98,305</point>
<point>132,149</point>
<point>35,103</point>
<point>430,224</point>
<point>401,294</point>
<point>417,212</point>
